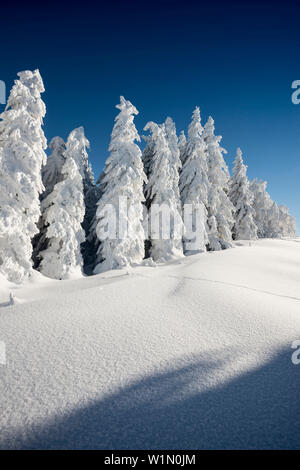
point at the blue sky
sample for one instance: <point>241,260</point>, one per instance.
<point>236,60</point>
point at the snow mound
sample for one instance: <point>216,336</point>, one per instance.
<point>193,354</point>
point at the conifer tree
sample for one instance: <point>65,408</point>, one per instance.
<point>272,226</point>
<point>287,224</point>
<point>78,146</point>
<point>242,199</point>
<point>52,171</point>
<point>220,209</point>
<point>120,204</point>
<point>182,146</point>
<point>63,213</point>
<point>162,193</point>
<point>51,174</point>
<point>262,204</point>
<point>21,158</point>
<point>194,183</point>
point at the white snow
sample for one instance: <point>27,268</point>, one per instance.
<point>22,155</point>
<point>162,191</point>
<point>194,183</point>
<point>121,181</point>
<point>192,354</point>
<point>220,209</point>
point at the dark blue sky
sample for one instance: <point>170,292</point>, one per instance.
<point>236,60</point>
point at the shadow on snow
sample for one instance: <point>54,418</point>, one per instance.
<point>259,409</point>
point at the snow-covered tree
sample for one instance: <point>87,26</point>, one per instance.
<point>148,152</point>
<point>173,142</point>
<point>220,209</point>
<point>287,224</point>
<point>51,174</point>
<point>272,226</point>
<point>21,158</point>
<point>147,157</point>
<point>78,146</point>
<point>194,184</point>
<point>63,213</point>
<point>242,199</point>
<point>52,171</point>
<point>272,221</point>
<point>120,205</point>
<point>182,146</point>
<point>162,193</point>
<point>262,204</point>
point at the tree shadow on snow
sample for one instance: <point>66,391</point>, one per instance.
<point>259,409</point>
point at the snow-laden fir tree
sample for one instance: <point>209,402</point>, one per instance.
<point>21,158</point>
<point>220,209</point>
<point>63,213</point>
<point>262,204</point>
<point>287,223</point>
<point>147,156</point>
<point>51,174</point>
<point>269,218</point>
<point>279,223</point>
<point>148,152</point>
<point>182,146</point>
<point>52,171</point>
<point>165,224</point>
<point>272,226</point>
<point>194,184</point>
<point>120,209</point>
<point>173,142</point>
<point>242,199</point>
<point>78,147</point>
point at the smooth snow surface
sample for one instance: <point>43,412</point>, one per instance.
<point>194,354</point>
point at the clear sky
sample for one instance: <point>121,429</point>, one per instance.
<point>236,60</point>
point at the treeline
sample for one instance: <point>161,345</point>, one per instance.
<point>53,214</point>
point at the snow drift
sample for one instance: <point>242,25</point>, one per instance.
<point>194,354</point>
